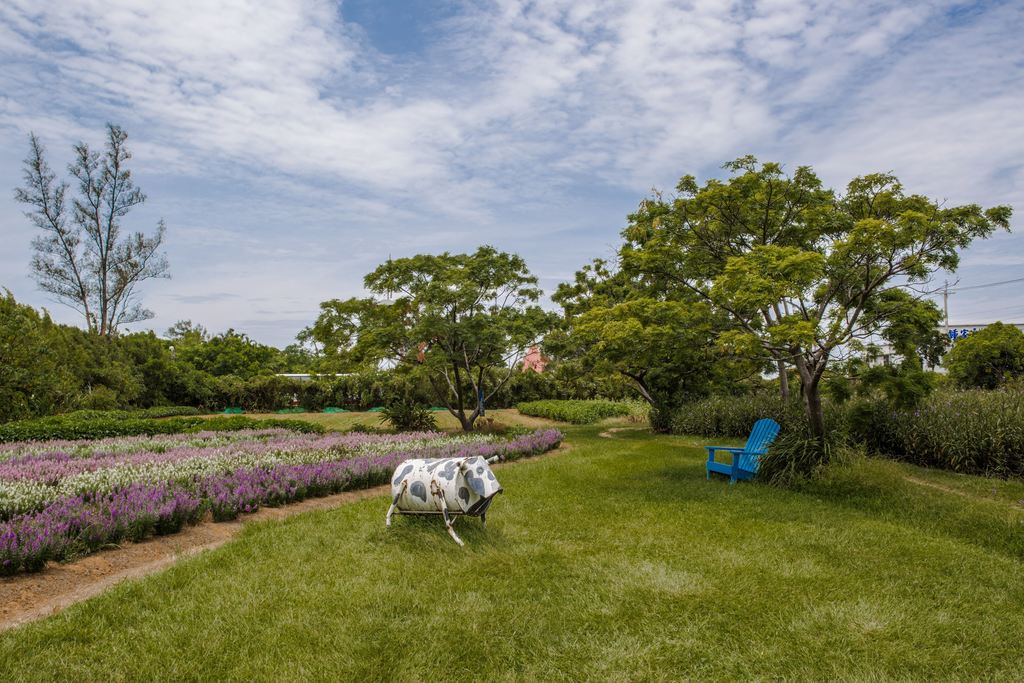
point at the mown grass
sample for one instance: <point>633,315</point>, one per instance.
<point>614,560</point>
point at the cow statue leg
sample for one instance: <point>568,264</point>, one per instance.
<point>394,504</point>
<point>448,521</point>
<point>483,520</point>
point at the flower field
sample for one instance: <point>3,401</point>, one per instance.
<point>61,499</point>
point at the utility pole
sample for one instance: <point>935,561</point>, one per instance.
<point>945,303</point>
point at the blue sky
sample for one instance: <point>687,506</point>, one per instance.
<point>293,145</point>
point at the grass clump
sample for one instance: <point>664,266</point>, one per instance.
<point>575,412</point>
<point>406,415</point>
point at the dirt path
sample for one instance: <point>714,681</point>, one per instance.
<point>27,597</point>
<point>611,432</point>
<point>958,492</point>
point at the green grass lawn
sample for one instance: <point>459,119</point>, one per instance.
<point>615,560</point>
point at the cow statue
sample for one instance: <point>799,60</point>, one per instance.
<point>444,486</point>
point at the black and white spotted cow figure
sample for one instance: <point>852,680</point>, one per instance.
<point>446,487</point>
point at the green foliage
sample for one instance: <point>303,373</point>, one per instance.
<point>33,380</point>
<point>793,457</point>
<point>662,339</point>
<point>229,353</point>
<point>457,317</point>
<point>987,358</point>
<point>576,412</point>
<point>154,412</point>
<point>408,416</point>
<point>799,270</point>
<point>975,431</point>
<point>92,426</point>
<point>734,416</point>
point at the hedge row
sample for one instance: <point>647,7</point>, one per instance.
<point>973,431</point>
<point>145,413</point>
<point>73,426</point>
<point>576,412</point>
<point>733,416</point>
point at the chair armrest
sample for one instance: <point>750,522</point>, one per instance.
<point>731,449</point>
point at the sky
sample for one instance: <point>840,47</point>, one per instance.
<point>293,145</point>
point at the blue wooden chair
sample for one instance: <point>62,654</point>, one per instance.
<point>747,459</point>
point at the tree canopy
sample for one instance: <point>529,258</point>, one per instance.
<point>804,273</point>
<point>662,339</point>
<point>458,317</point>
<point>988,358</point>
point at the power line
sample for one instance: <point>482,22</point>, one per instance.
<point>989,284</point>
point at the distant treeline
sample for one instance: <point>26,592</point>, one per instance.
<point>48,368</point>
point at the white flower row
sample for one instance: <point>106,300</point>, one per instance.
<point>22,496</point>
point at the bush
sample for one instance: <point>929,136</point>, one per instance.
<point>155,412</point>
<point>734,416</point>
<point>792,457</point>
<point>409,416</point>
<point>973,431</point>
<point>988,358</point>
<point>576,412</point>
<point>488,425</point>
<point>71,427</point>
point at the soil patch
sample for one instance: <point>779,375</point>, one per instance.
<point>610,433</point>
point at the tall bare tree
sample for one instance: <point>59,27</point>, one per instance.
<point>81,257</point>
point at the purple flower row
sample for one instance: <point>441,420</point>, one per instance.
<point>77,525</point>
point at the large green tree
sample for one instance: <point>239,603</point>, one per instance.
<point>663,339</point>
<point>458,317</point>
<point>228,353</point>
<point>803,272</point>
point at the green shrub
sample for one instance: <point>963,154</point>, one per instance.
<point>154,412</point>
<point>408,416</point>
<point>734,416</point>
<point>363,428</point>
<point>973,431</point>
<point>72,427</point>
<point>576,412</point>
<point>988,358</point>
<point>792,457</point>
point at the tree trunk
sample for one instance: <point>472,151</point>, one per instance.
<point>783,380</point>
<point>812,404</point>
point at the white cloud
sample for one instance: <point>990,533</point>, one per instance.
<point>523,122</point>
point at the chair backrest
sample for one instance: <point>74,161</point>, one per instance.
<point>764,432</point>
<point>761,436</point>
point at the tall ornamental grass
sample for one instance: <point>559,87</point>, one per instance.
<point>733,416</point>
<point>974,432</point>
<point>576,412</point>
